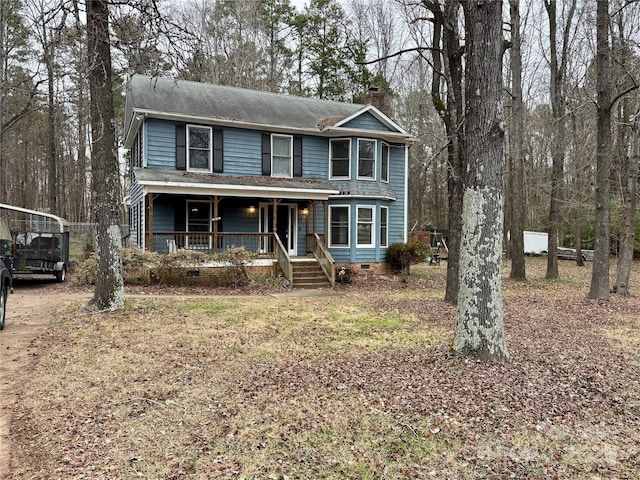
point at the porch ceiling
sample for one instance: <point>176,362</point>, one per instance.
<point>189,183</point>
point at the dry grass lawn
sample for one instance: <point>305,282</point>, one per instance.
<point>356,385</point>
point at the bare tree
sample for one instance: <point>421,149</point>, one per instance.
<point>109,289</point>
<point>446,94</point>
<point>480,316</point>
<point>516,141</point>
<point>558,63</point>
<point>600,273</point>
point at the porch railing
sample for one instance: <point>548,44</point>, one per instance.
<point>208,242</point>
<point>325,259</point>
<point>284,261</point>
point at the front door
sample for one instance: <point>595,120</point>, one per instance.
<point>198,225</point>
<point>286,224</point>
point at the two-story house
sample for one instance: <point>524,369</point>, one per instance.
<point>286,177</point>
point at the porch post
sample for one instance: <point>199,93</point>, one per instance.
<point>150,198</point>
<point>325,206</point>
<point>216,201</point>
<point>276,202</point>
<point>307,237</point>
<point>315,216</point>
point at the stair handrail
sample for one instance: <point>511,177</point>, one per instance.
<point>284,261</point>
<point>325,260</point>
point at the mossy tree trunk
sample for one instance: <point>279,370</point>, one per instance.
<point>109,288</point>
<point>480,316</point>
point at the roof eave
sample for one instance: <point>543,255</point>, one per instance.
<point>376,113</point>
<point>259,191</point>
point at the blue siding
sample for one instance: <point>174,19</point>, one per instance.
<point>367,121</point>
<point>397,228</point>
<point>236,217</point>
<point>242,152</point>
<point>163,215</point>
<point>160,144</point>
<point>315,157</point>
<point>242,156</point>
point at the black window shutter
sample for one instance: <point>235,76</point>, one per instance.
<point>181,147</point>
<point>297,156</point>
<point>218,158</point>
<point>266,154</point>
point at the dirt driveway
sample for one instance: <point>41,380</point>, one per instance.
<point>30,310</point>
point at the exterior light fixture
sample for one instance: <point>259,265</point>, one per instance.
<point>252,209</point>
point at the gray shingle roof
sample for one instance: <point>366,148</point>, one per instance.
<point>214,181</point>
<point>217,102</point>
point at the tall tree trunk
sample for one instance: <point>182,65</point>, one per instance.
<point>448,70</point>
<point>600,272</point>
<point>480,316</point>
<point>52,152</point>
<point>109,289</point>
<point>557,88</point>
<point>3,84</point>
<point>517,203</point>
<point>629,188</point>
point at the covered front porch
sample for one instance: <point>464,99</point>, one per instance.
<point>279,219</point>
<point>255,224</point>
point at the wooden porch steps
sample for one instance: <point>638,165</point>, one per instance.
<point>308,274</point>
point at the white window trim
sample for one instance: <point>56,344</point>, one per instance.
<point>348,245</point>
<point>386,239</point>
<point>375,153</point>
<point>331,177</point>
<point>372,223</point>
<point>382,171</point>
<point>188,147</point>
<point>290,137</point>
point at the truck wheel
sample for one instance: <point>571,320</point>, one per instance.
<point>62,274</point>
<point>3,305</point>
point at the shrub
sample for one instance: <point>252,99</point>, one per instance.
<point>402,255</point>
<point>146,267</point>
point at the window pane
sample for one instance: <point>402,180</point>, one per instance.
<point>281,167</point>
<point>340,149</point>
<point>366,160</point>
<point>366,149</point>
<point>340,168</point>
<point>364,234</point>
<point>365,168</point>
<point>365,226</point>
<point>199,138</point>
<point>339,226</point>
<point>384,214</point>
<point>199,159</point>
<point>385,163</point>
<point>365,214</point>
<point>340,158</point>
<point>282,146</point>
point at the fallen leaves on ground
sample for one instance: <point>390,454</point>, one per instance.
<point>359,385</point>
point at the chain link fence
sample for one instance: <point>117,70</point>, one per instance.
<point>82,238</point>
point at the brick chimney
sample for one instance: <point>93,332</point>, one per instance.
<point>376,97</point>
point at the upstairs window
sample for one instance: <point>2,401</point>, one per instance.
<point>367,159</point>
<point>281,155</point>
<point>365,227</point>
<point>384,167</point>
<point>199,149</point>
<point>340,159</point>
